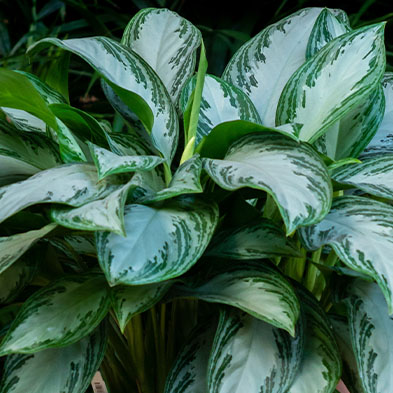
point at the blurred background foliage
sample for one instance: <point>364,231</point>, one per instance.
<point>225,27</point>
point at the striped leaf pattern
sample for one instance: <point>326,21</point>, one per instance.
<point>18,92</point>
<point>327,72</point>
<point>137,84</point>
<point>162,242</point>
<point>382,142</point>
<point>370,327</point>
<point>42,323</point>
<point>374,175</point>
<point>25,153</point>
<point>67,370</point>
<point>262,239</point>
<point>327,27</point>
<point>221,102</point>
<point>167,42</point>
<point>320,368</point>
<point>251,355</point>
<point>12,247</point>
<point>186,180</point>
<point>109,163</point>
<point>189,372</point>
<point>105,214</point>
<point>70,148</point>
<point>71,184</point>
<point>281,167</point>
<point>360,232</point>
<point>253,287</point>
<point>349,136</point>
<point>258,67</point>
<point>16,277</point>
<point>128,301</point>
<point>350,374</point>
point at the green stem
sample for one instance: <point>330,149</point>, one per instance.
<point>167,173</point>
<point>312,271</point>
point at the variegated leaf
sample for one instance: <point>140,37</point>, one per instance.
<point>370,329</point>
<point>162,242</point>
<point>109,163</point>
<point>128,144</point>
<point>186,180</point>
<point>374,175</point>
<point>320,369</point>
<point>16,277</point>
<point>128,301</point>
<point>25,121</point>
<point>83,125</point>
<point>251,355</point>
<point>327,71</point>
<point>18,92</point>
<point>349,136</point>
<point>102,215</point>
<point>252,286</point>
<point>382,142</point>
<point>221,102</point>
<point>258,67</point>
<point>327,27</point>
<point>82,243</point>
<point>350,374</point>
<point>71,184</point>
<point>257,240</point>
<point>360,231</point>
<point>134,81</point>
<point>25,153</point>
<point>167,42</point>
<point>221,137</point>
<point>70,148</point>
<point>67,370</point>
<point>43,323</point>
<point>12,247</point>
<point>281,167</point>
<point>189,371</point>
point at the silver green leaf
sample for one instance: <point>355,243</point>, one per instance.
<point>262,239</point>
<point>254,287</point>
<point>105,214</point>
<point>221,102</point>
<point>251,355</point>
<point>349,136</point>
<point>109,163</point>
<point>71,184</point>
<point>12,247</point>
<point>167,42</point>
<point>189,371</point>
<point>70,147</point>
<point>128,144</point>
<point>281,167</point>
<point>128,301</point>
<point>370,329</point>
<point>326,28</point>
<point>42,322</point>
<point>258,67</point>
<point>67,370</point>
<point>15,278</point>
<point>25,153</point>
<point>162,242</point>
<point>382,142</point>
<point>360,230</point>
<point>134,80</point>
<point>327,71</point>
<point>186,180</point>
<point>374,175</point>
<point>320,369</point>
<point>350,374</point>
